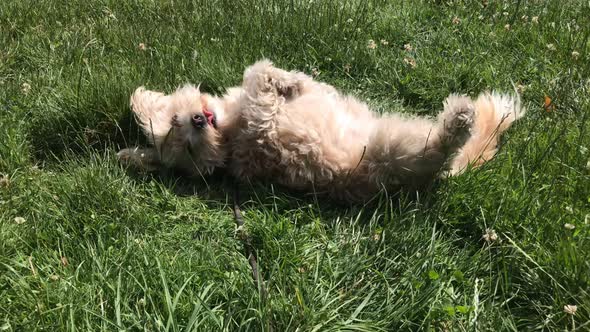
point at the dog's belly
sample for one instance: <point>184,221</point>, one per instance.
<point>315,144</point>
<point>328,129</point>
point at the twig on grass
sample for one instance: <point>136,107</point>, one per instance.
<point>245,238</point>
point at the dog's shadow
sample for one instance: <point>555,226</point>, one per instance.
<point>220,189</point>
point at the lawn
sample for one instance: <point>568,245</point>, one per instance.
<point>88,245</point>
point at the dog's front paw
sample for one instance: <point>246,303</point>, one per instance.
<point>140,159</point>
<point>263,77</point>
<point>285,88</point>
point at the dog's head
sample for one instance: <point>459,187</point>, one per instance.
<point>184,128</point>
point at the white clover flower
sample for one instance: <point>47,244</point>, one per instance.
<point>410,62</point>
<point>575,55</point>
<point>570,309</point>
<point>490,235</point>
<point>25,88</point>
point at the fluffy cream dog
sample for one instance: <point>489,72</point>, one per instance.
<point>287,128</point>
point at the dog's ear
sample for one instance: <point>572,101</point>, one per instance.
<point>146,160</point>
<point>153,112</point>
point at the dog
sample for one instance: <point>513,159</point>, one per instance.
<point>286,127</point>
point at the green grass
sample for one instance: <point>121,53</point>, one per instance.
<point>103,249</point>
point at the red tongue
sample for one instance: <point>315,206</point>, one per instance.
<point>209,116</point>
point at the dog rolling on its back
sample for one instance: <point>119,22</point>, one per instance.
<point>287,128</point>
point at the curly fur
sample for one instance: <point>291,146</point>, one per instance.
<point>288,128</point>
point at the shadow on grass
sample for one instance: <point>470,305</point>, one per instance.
<point>76,130</point>
<point>217,190</point>
<point>101,121</point>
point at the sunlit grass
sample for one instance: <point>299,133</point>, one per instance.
<point>85,245</point>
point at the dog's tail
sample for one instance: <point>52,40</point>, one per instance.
<point>494,114</point>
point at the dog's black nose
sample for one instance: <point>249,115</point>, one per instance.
<point>199,121</point>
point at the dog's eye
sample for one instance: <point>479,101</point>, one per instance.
<point>199,121</point>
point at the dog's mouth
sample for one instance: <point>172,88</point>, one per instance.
<point>211,118</point>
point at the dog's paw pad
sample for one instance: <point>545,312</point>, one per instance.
<point>458,120</point>
<point>464,117</point>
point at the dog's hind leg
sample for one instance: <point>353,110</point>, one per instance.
<point>413,151</point>
<point>455,122</point>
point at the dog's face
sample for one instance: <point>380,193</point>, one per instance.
<point>182,126</point>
